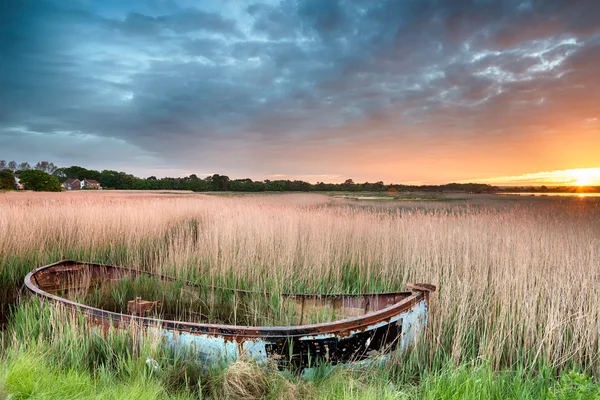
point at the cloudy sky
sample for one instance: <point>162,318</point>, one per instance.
<point>403,91</point>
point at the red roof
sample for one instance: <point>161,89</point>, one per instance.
<point>92,181</point>
<point>71,181</point>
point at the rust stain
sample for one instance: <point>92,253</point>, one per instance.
<point>368,323</point>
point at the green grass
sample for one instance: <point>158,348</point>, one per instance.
<point>53,353</point>
<point>200,304</point>
<point>82,364</point>
<point>28,375</point>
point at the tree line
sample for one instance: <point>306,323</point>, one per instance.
<point>48,176</point>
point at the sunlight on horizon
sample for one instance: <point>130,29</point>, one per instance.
<point>565,177</point>
<point>586,177</point>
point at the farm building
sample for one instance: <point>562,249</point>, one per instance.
<point>90,184</point>
<point>72,184</point>
<point>76,184</point>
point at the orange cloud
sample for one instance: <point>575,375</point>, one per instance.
<point>566,177</point>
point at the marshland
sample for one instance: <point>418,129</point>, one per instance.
<point>516,314</point>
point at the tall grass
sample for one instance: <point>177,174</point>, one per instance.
<point>519,282</point>
<point>200,304</point>
<point>53,353</point>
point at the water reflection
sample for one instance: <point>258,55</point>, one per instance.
<point>581,195</point>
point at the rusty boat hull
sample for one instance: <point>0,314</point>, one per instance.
<point>375,324</point>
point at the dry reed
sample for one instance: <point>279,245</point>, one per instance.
<point>519,282</point>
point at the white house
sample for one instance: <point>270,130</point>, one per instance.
<point>76,184</point>
<point>18,183</point>
<point>90,184</point>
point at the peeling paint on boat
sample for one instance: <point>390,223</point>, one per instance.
<point>388,321</point>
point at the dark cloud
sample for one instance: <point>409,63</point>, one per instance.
<point>247,85</point>
<point>184,21</point>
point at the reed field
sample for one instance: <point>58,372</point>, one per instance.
<point>516,313</point>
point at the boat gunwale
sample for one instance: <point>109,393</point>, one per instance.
<point>344,325</point>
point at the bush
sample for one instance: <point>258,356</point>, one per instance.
<point>39,181</point>
<point>7,180</point>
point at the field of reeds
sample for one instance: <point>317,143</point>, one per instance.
<point>516,314</point>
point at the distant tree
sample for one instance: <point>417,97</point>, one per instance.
<point>151,178</point>
<point>350,186</point>
<point>274,186</point>
<point>60,174</point>
<point>2,165</point>
<point>7,180</point>
<point>109,179</point>
<point>196,185</point>
<point>219,182</point>
<point>12,165</point>
<point>299,186</point>
<point>76,172</point>
<point>51,168</point>
<point>24,166</point>
<point>126,181</point>
<point>39,181</point>
<point>246,185</point>
<point>46,167</point>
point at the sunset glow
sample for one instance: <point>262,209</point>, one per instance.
<point>567,177</point>
<point>585,177</point>
<point>422,92</point>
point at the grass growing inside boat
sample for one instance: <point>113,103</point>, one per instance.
<point>200,303</point>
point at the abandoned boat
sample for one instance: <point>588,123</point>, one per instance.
<point>371,324</point>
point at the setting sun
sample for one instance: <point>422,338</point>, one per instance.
<point>565,177</point>
<point>585,176</point>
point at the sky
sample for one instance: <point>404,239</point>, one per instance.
<point>411,91</point>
